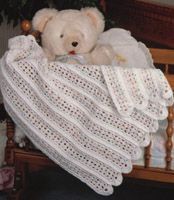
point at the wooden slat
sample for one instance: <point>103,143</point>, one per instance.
<point>166,57</point>
<point>169,143</point>
<point>147,155</point>
<point>170,78</point>
<point>32,157</point>
<point>162,56</point>
<point>153,174</point>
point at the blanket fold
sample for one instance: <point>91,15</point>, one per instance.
<point>90,120</point>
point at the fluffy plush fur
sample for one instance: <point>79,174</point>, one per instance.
<point>73,32</point>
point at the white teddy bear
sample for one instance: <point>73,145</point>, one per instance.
<point>72,35</point>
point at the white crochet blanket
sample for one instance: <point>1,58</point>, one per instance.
<point>90,120</point>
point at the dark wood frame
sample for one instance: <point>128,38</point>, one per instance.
<point>150,22</point>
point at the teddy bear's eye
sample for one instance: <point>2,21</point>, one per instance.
<point>61,36</point>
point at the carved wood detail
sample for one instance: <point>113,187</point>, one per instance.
<point>169,143</point>
<point>10,144</point>
<point>146,21</point>
<point>147,156</point>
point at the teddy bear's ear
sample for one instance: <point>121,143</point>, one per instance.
<point>96,16</point>
<point>42,17</point>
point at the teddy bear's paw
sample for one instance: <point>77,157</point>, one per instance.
<point>20,141</point>
<point>19,137</point>
<point>22,144</point>
<point>102,55</point>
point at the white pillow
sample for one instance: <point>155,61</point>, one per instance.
<point>128,52</point>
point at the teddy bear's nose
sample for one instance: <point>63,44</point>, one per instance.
<point>74,44</point>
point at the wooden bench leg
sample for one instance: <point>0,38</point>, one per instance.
<point>18,191</point>
<point>9,154</point>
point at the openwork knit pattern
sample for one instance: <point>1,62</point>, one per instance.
<point>90,120</point>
